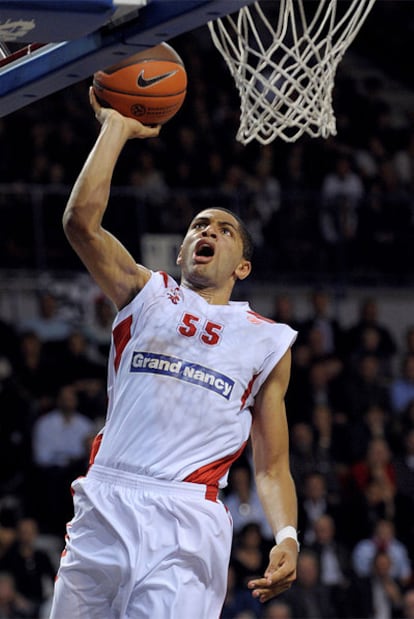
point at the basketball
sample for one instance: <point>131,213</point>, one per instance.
<point>149,86</point>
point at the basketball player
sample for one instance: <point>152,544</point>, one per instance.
<point>188,372</point>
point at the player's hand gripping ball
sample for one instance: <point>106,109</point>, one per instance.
<point>149,86</point>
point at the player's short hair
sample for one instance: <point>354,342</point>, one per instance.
<point>246,237</point>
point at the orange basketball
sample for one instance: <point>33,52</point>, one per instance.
<point>149,86</point>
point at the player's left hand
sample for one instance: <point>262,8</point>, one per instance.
<point>133,128</point>
<point>280,573</point>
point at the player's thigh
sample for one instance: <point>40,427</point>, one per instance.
<point>91,569</point>
<point>90,603</point>
<point>188,576</point>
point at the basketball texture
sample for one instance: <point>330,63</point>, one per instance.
<point>149,86</point>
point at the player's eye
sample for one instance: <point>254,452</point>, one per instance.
<point>199,225</point>
<point>226,231</point>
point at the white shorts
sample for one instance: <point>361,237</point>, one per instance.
<point>141,548</point>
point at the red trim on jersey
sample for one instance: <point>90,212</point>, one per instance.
<point>211,473</point>
<point>121,335</point>
<point>260,317</point>
<point>96,443</point>
<point>165,278</point>
<point>248,390</point>
<point>211,493</point>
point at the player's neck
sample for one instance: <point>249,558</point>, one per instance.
<point>212,296</point>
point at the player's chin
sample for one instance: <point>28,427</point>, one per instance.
<point>199,271</point>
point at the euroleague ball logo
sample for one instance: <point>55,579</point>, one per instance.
<point>138,110</point>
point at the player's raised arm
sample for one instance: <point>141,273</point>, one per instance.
<point>274,482</point>
<point>110,264</point>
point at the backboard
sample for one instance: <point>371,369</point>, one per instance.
<point>74,38</point>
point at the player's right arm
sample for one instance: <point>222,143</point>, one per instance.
<point>107,260</point>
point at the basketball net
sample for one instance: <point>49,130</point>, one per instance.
<point>284,68</point>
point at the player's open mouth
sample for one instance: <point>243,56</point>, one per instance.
<point>203,251</point>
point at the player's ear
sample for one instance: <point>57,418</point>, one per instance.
<point>179,257</point>
<point>243,269</point>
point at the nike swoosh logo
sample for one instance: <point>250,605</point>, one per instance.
<point>145,83</point>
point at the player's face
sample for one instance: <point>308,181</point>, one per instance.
<point>212,250</point>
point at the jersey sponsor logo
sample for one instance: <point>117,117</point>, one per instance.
<point>194,373</point>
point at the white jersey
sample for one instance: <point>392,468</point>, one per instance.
<point>183,376</point>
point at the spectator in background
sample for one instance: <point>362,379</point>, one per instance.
<point>383,540</point>
<point>368,159</point>
<point>7,530</point>
<point>365,386</point>
<point>404,472</point>
<point>308,598</point>
<point>31,567</point>
<point>76,360</point>
<point>48,325</point>
<point>364,510</point>
<point>376,237</point>
<point>266,189</point>
<point>35,373</point>
<point>397,201</point>
<point>377,595</point>
<point>374,423</point>
<point>297,398</point>
<point>303,461</point>
<point>331,446</point>
<point>250,554</point>
<point>238,602</point>
<point>369,318</point>
<point>12,604</point>
<point>409,341</point>
<point>61,441</point>
<point>404,467</point>
<point>402,387</point>
<point>377,464</point>
<point>15,438</point>
<point>60,436</point>
<point>86,375</point>
<point>284,311</point>
<point>98,330</point>
<point>372,484</point>
<point>334,564</point>
<point>370,345</point>
<point>404,162</point>
<point>243,502</point>
<point>277,609</point>
<point>408,604</point>
<point>320,377</point>
<point>314,503</point>
<point>342,192</point>
<point>149,180</point>
<point>8,342</point>
<point>406,420</point>
<point>321,317</point>
<point>266,204</point>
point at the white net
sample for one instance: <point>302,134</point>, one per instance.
<point>283,57</point>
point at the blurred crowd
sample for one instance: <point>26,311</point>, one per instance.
<point>341,206</point>
<point>351,417</point>
<point>350,409</point>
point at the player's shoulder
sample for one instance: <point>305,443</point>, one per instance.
<point>158,283</point>
<point>256,318</point>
